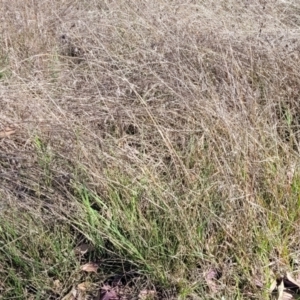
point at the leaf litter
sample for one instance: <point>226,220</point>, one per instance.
<point>107,293</point>
<point>90,267</point>
<point>211,277</point>
<point>285,288</point>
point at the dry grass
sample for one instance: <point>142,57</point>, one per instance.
<point>165,133</point>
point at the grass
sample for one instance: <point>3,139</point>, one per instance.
<point>165,135</point>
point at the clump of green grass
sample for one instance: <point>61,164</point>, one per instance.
<point>167,141</point>
<point>34,253</point>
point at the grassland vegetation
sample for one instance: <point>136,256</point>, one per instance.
<point>162,136</point>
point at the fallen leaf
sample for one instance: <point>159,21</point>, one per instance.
<point>210,277</point>
<point>287,287</point>
<point>56,285</point>
<point>90,267</point>
<point>286,295</point>
<point>107,293</point>
<point>280,288</point>
<point>290,282</point>
<point>84,286</point>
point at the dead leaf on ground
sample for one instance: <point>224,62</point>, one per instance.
<point>84,286</point>
<point>290,282</point>
<point>280,290</point>
<point>56,285</point>
<point>286,295</point>
<point>287,288</point>
<point>90,267</point>
<point>211,276</point>
<point>7,132</point>
<point>107,293</point>
<point>76,294</point>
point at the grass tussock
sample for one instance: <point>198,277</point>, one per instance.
<point>163,133</point>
